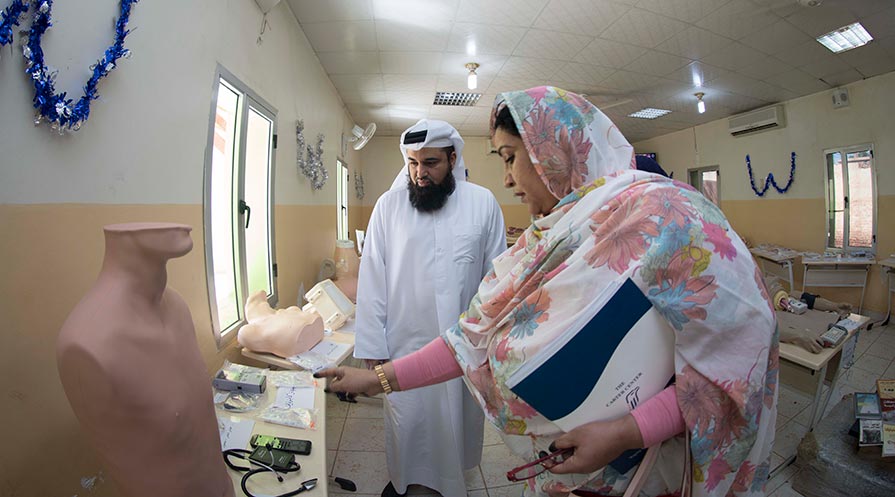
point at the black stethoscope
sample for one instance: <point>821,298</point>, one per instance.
<point>244,454</point>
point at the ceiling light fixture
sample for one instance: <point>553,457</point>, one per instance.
<point>472,81</point>
<point>649,113</point>
<point>700,105</point>
<point>845,38</point>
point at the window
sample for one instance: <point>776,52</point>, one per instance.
<point>342,199</point>
<point>239,235</point>
<point>705,179</point>
<point>851,199</point>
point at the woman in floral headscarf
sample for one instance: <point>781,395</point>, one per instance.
<point>598,221</point>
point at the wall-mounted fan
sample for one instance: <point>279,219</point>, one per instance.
<point>362,135</point>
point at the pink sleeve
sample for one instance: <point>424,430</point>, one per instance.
<point>659,418</point>
<point>429,365</point>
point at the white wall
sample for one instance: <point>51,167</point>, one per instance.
<point>813,125</point>
<point>146,137</point>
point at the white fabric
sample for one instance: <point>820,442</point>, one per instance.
<point>418,273</point>
<point>439,135</point>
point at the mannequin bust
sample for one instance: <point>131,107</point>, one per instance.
<point>347,265</point>
<point>798,335</point>
<point>131,368</point>
<point>284,332</point>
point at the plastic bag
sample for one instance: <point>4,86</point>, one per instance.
<point>237,401</point>
<point>312,361</point>
<point>296,417</point>
<point>291,379</point>
<point>242,368</point>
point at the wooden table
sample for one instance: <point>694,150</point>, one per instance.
<point>808,369</point>
<point>888,265</point>
<point>779,257</point>
<point>837,272</point>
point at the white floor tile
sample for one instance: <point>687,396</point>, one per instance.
<point>366,408</point>
<point>474,479</point>
<point>872,364</point>
<point>785,490</point>
<point>366,469</point>
<point>884,351</point>
<point>363,434</point>
<point>863,380</point>
<point>335,408</point>
<point>477,493</point>
<point>788,437</point>
<point>492,436</point>
<point>334,432</point>
<point>781,478</point>
<point>496,461</point>
<point>890,372</point>
<point>330,460</point>
<point>791,402</point>
<point>507,491</point>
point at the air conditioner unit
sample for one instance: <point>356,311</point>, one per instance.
<point>757,120</point>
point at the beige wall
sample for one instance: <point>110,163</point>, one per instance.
<point>140,158</point>
<point>796,219</point>
<point>382,161</point>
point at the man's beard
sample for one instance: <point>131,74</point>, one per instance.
<point>432,197</point>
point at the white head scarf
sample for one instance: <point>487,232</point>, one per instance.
<point>439,134</point>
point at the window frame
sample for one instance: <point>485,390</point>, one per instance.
<point>844,151</point>
<point>698,172</point>
<point>248,99</point>
<point>342,197</point>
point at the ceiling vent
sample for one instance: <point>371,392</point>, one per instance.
<point>757,120</point>
<point>456,98</point>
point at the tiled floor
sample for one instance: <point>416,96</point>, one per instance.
<point>356,441</point>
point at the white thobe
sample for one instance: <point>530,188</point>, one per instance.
<point>418,273</point>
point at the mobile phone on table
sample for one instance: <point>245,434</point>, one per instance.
<point>295,446</point>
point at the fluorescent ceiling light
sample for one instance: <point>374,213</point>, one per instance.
<point>845,38</point>
<point>649,113</point>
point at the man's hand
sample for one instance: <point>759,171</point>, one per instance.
<point>351,380</point>
<point>597,444</point>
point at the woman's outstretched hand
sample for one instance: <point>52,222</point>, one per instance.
<point>597,444</point>
<point>351,380</point>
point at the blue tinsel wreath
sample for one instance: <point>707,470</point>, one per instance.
<point>770,179</point>
<point>55,108</point>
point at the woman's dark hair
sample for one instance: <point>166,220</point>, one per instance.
<point>504,121</point>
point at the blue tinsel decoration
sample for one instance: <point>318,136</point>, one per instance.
<point>770,179</point>
<point>63,112</point>
<point>9,18</point>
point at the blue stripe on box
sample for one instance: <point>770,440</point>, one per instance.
<point>565,380</point>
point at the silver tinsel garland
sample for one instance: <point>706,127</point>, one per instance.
<point>358,185</point>
<point>311,166</point>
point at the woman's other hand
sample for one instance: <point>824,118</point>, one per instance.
<point>597,444</point>
<point>351,380</point>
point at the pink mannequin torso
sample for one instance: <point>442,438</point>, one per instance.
<point>131,368</point>
<point>284,332</point>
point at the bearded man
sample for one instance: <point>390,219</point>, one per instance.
<point>430,241</point>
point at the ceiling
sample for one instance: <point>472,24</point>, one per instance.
<point>387,58</point>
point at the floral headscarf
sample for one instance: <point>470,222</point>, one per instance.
<point>613,223</point>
